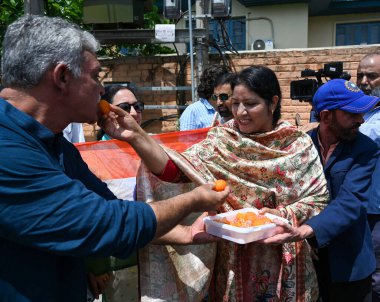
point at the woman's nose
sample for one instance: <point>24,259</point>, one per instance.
<point>241,109</point>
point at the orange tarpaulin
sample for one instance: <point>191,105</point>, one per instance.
<point>115,159</point>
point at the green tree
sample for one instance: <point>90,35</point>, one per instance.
<point>72,10</point>
<point>10,10</point>
<point>68,9</point>
<point>150,20</point>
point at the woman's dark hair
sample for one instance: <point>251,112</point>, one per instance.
<point>207,81</point>
<point>262,81</point>
<point>111,90</point>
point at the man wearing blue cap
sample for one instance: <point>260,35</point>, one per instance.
<point>341,233</point>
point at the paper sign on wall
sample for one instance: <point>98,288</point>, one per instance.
<point>165,32</point>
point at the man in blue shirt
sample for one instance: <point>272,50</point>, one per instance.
<point>341,232</point>
<point>53,210</point>
<point>201,114</point>
<point>368,79</point>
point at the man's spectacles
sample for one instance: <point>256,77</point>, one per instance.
<point>139,106</point>
<point>223,97</point>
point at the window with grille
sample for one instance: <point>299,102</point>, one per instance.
<point>357,33</point>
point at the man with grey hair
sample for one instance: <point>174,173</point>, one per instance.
<point>368,73</point>
<point>53,210</point>
<point>368,79</point>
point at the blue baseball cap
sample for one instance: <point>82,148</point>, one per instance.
<point>343,95</point>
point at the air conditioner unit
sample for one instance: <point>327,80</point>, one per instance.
<point>260,44</point>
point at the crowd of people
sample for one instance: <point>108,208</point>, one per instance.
<point>55,213</point>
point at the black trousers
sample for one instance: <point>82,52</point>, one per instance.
<point>354,291</point>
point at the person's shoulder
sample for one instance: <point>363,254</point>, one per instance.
<point>299,131</point>
<point>190,110</point>
<point>195,105</point>
<point>361,147</point>
<point>309,127</point>
<point>364,142</point>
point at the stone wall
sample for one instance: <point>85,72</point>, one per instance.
<point>161,71</point>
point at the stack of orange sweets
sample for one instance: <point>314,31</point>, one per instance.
<point>246,220</point>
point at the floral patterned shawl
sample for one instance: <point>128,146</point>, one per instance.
<point>278,169</point>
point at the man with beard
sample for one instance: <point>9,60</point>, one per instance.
<point>345,258</point>
<point>202,113</point>
<point>368,74</point>
<point>222,96</point>
<point>368,79</point>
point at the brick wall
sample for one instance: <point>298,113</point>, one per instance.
<point>163,71</point>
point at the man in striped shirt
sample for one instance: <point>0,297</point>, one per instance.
<point>201,113</point>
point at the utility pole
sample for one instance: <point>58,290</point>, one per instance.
<point>201,49</point>
<point>34,7</point>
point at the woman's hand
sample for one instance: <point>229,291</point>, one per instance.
<point>270,211</point>
<point>119,124</point>
<point>98,283</point>
<point>287,233</point>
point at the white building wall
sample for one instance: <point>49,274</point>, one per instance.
<point>322,29</point>
<point>290,23</point>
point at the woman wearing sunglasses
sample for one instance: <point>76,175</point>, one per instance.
<point>269,165</point>
<point>125,98</point>
<point>124,280</point>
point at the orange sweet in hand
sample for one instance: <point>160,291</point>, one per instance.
<point>104,107</point>
<point>219,185</point>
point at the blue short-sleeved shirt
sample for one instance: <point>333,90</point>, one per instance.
<point>197,115</point>
<point>371,128</point>
<point>54,212</point>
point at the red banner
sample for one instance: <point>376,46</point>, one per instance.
<point>115,159</point>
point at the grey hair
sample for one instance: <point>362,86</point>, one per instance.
<point>34,44</point>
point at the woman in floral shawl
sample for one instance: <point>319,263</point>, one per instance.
<point>269,165</point>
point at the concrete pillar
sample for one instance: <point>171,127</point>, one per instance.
<point>34,7</point>
<point>201,49</point>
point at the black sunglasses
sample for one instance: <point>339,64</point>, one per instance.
<point>223,97</point>
<point>139,106</point>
